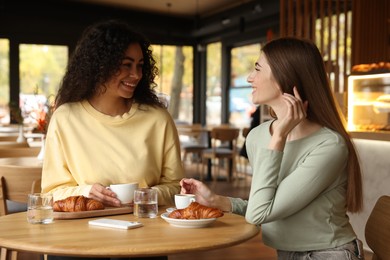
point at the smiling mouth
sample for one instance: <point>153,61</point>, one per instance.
<point>130,85</point>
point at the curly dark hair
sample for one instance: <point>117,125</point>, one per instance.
<point>98,56</point>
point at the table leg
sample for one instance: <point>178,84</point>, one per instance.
<point>3,254</point>
<point>209,177</point>
<point>209,167</point>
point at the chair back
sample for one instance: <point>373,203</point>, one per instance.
<point>19,152</point>
<point>219,150</point>
<point>192,134</point>
<point>225,134</point>
<point>189,130</point>
<point>188,126</point>
<point>16,183</point>
<point>377,231</point>
<point>245,132</point>
<point>220,135</point>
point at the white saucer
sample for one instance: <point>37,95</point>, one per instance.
<point>169,210</point>
<point>188,223</point>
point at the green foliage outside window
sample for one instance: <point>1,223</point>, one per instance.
<point>4,71</point>
<point>41,67</point>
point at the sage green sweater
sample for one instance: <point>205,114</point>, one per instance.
<point>298,196</point>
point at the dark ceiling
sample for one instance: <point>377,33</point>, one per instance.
<point>189,8</point>
<point>63,20</point>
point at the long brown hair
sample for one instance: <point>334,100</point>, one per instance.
<point>297,62</point>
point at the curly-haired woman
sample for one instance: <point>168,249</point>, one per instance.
<point>109,126</point>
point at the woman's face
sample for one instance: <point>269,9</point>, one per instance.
<point>264,87</point>
<point>124,82</point>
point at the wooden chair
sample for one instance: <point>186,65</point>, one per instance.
<point>196,143</point>
<point>221,135</point>
<point>15,184</point>
<point>377,231</point>
<point>245,131</point>
<point>19,152</point>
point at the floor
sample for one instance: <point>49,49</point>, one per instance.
<point>253,248</point>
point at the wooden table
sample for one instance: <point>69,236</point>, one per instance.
<point>157,237</point>
<point>9,129</point>
<point>30,162</point>
<point>12,144</point>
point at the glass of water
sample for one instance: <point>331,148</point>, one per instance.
<point>40,208</point>
<point>145,203</point>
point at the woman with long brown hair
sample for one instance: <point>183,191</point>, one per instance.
<point>306,174</point>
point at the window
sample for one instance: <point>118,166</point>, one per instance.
<point>213,92</point>
<point>338,60</point>
<point>240,97</point>
<point>4,81</point>
<point>41,70</point>
<point>175,79</point>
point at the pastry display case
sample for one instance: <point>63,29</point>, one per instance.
<point>369,103</point>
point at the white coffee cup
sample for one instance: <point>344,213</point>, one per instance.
<point>124,192</point>
<point>184,200</point>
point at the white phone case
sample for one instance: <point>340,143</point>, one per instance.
<point>114,223</point>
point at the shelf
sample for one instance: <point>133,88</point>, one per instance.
<point>363,103</point>
<point>365,113</point>
<point>379,135</point>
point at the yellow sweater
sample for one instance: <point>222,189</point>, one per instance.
<point>84,146</point>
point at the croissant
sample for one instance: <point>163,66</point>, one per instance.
<point>196,211</point>
<point>77,203</point>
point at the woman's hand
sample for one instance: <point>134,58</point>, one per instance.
<point>295,113</point>
<point>204,195</point>
<point>104,195</point>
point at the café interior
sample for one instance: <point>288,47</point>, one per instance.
<point>218,41</point>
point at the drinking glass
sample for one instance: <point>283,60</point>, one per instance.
<point>40,208</point>
<point>145,203</point>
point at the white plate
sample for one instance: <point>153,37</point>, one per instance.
<point>188,223</point>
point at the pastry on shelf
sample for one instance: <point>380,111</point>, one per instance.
<point>379,67</point>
